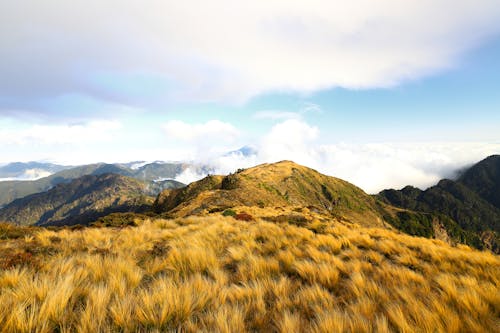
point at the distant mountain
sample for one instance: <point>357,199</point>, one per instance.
<point>243,151</point>
<point>29,170</point>
<point>472,201</point>
<point>11,190</point>
<point>484,179</point>
<point>158,171</point>
<point>270,187</point>
<point>80,201</point>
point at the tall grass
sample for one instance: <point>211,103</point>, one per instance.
<point>218,274</point>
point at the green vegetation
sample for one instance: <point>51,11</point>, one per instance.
<point>120,220</point>
<point>321,260</point>
<point>415,224</point>
<point>484,179</point>
<point>469,205</point>
<point>11,190</point>
<point>79,202</point>
<point>229,212</point>
<point>279,184</point>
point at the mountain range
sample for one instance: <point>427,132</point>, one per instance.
<point>465,210</point>
<point>29,170</point>
<point>471,203</point>
<point>79,201</point>
<point>155,174</point>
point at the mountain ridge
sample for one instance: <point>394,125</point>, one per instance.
<point>268,186</point>
<point>15,189</point>
<point>80,201</point>
<point>284,190</point>
<point>471,201</point>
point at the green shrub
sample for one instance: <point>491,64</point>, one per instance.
<point>229,212</point>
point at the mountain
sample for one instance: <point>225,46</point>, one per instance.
<point>244,151</point>
<point>158,171</point>
<point>29,170</point>
<point>484,179</point>
<point>11,190</point>
<point>80,201</point>
<point>271,188</point>
<point>275,248</point>
<point>471,202</point>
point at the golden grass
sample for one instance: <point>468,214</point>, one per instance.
<point>218,274</point>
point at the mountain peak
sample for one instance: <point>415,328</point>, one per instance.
<point>472,203</point>
<point>484,179</point>
<point>270,186</point>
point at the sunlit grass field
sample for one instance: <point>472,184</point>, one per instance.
<point>219,274</point>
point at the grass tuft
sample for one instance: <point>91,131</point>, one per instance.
<point>220,274</point>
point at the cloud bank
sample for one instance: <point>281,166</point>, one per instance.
<point>373,167</point>
<point>142,53</point>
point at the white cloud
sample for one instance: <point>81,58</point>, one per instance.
<point>94,131</point>
<point>213,130</point>
<point>291,140</point>
<point>276,115</point>
<point>311,108</point>
<point>373,167</point>
<point>224,50</point>
<point>306,108</point>
<point>201,141</point>
<point>29,174</point>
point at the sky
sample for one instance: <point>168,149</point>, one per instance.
<point>380,93</point>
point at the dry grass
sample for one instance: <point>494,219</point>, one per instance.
<point>219,274</point>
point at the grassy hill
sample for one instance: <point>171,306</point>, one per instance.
<point>274,248</point>
<point>272,188</point>
<point>81,201</point>
<point>221,274</point>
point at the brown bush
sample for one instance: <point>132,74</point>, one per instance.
<point>243,216</point>
<point>17,259</point>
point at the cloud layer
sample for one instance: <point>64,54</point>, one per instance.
<point>373,167</point>
<point>223,50</point>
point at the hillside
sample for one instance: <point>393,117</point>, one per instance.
<point>484,179</point>
<point>78,202</point>
<point>11,190</point>
<point>269,189</point>
<point>471,202</point>
<point>220,274</point>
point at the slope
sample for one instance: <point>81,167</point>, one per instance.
<point>470,202</point>
<point>78,202</point>
<point>484,179</point>
<point>11,190</point>
<point>218,274</point>
<point>271,187</point>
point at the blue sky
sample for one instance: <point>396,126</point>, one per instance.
<point>354,90</point>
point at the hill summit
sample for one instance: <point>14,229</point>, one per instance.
<point>271,187</point>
